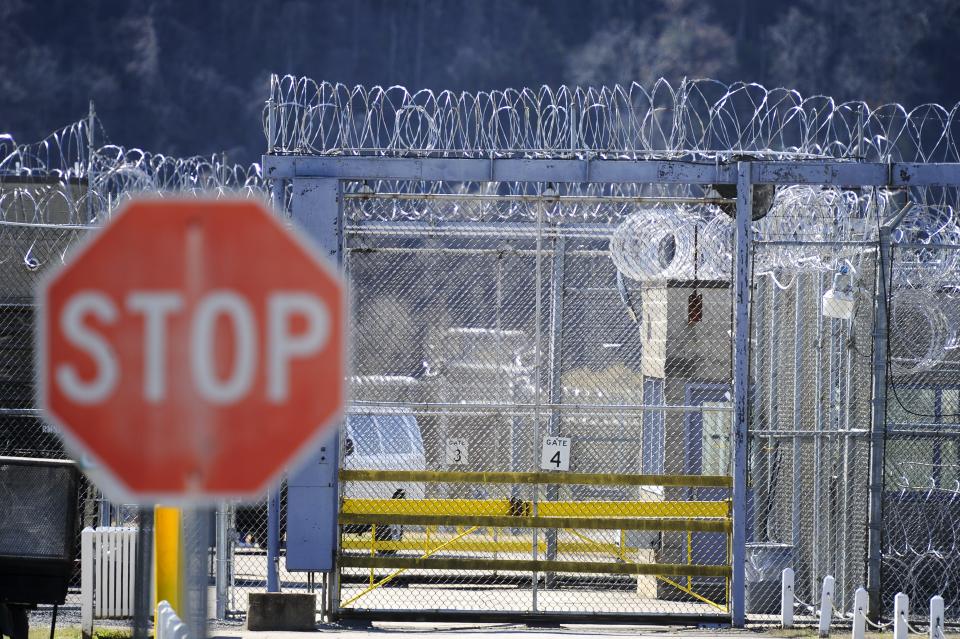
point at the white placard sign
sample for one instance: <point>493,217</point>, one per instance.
<point>457,451</point>
<point>555,454</point>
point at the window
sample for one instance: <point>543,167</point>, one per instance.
<point>366,441</point>
<point>918,461</point>
<point>396,441</point>
<point>653,422</point>
<point>716,439</point>
<point>907,406</point>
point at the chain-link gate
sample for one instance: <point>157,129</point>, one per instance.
<point>812,358</point>
<point>518,439</point>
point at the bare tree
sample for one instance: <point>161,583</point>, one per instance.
<point>678,39</point>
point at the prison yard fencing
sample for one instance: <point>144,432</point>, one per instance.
<point>621,352</point>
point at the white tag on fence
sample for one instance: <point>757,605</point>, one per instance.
<point>555,454</point>
<point>457,451</point>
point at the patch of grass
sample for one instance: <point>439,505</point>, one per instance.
<point>73,632</point>
<point>791,633</point>
<point>43,632</point>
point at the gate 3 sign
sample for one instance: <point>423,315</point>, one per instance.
<point>192,348</point>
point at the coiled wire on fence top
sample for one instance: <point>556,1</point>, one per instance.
<point>691,118</point>
<point>81,184</point>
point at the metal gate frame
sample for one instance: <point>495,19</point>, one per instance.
<point>317,205</point>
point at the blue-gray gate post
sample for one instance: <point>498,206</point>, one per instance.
<point>741,381</point>
<point>273,494</point>
<point>313,495</point>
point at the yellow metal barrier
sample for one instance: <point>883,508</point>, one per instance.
<point>469,515</point>
<point>503,507</point>
<point>592,479</point>
<point>534,565</point>
<point>536,521</point>
<point>505,544</point>
<point>373,586</point>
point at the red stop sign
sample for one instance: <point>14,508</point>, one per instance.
<point>192,348</point>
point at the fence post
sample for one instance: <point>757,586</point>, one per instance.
<point>901,608</point>
<point>741,360</point>
<point>557,294</point>
<point>91,123</point>
<point>105,512</point>
<point>878,425</point>
<point>861,604</point>
<point>86,582</point>
<point>878,417</point>
<point>786,599</point>
<point>141,574</point>
<point>273,494</point>
<point>271,117</point>
<point>224,550</point>
<point>826,606</point>
<point>936,617</point>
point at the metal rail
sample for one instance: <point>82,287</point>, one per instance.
<point>536,198</point>
<point>676,524</point>
<point>541,478</point>
<point>566,508</point>
<point>530,565</point>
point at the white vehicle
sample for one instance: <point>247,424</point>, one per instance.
<point>383,440</point>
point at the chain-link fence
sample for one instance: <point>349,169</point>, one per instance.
<point>540,409</point>
<point>495,340</point>
<point>921,489</point>
<point>447,324</point>
<point>811,360</point>
<point>26,251</point>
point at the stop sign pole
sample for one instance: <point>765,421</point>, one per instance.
<point>192,349</point>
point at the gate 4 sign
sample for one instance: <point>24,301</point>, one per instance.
<point>555,454</point>
<point>192,348</point>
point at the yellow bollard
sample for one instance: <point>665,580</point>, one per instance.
<point>167,557</point>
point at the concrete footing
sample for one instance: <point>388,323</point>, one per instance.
<point>281,611</point>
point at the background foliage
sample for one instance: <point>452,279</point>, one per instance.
<point>190,77</point>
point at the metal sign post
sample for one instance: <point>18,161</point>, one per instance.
<point>143,572</point>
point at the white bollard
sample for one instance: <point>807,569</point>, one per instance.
<point>936,617</point>
<point>901,608</point>
<point>786,598</point>
<point>168,625</point>
<point>861,606</point>
<point>826,606</point>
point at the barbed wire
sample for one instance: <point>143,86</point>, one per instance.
<point>60,180</point>
<point>699,118</point>
<point>921,548</point>
<point>63,180</point>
